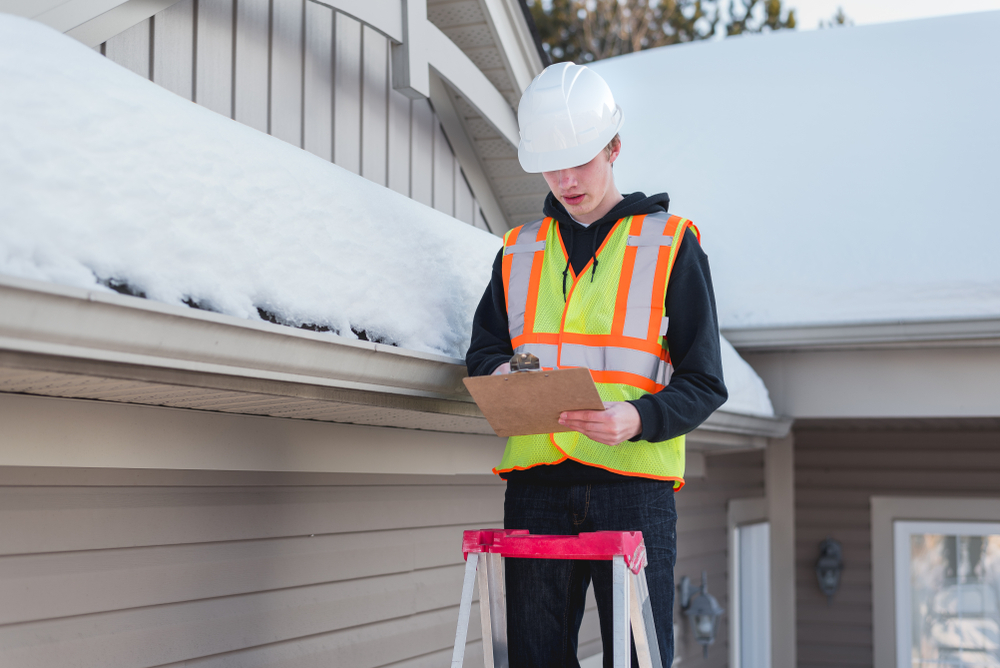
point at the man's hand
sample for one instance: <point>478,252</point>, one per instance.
<point>502,369</point>
<point>616,424</point>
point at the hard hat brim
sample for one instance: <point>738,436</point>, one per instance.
<point>573,156</point>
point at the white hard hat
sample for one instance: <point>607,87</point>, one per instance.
<point>567,116</point>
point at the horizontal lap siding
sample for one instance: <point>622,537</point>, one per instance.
<point>836,474</point>
<point>308,75</point>
<point>703,544</point>
<point>231,574</point>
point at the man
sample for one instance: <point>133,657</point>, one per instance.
<point>614,284</point>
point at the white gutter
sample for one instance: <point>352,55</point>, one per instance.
<point>64,341</point>
<point>966,332</point>
<point>74,323</point>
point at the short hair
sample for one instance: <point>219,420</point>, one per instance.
<point>616,140</point>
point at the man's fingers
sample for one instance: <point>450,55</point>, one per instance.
<point>585,416</point>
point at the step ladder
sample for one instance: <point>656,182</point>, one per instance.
<point>484,551</point>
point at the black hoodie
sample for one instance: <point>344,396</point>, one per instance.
<point>696,387</point>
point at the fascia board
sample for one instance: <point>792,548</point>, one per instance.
<point>859,336</point>
<point>516,45</point>
<point>88,333</point>
<point>451,63</point>
<point>103,27</point>
<point>748,425</point>
<point>62,16</point>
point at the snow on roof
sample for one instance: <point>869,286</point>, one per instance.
<point>837,175</point>
<point>107,179</point>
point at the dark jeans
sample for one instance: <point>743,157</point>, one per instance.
<point>545,597</point>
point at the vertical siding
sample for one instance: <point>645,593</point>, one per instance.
<point>214,55</point>
<point>173,49</point>
<point>444,173</point>
<point>308,75</point>
<point>131,49</point>
<point>398,140</point>
<point>422,152</point>
<point>836,474</point>
<point>287,34</point>
<point>220,569</point>
<point>318,91</point>
<point>347,93</point>
<point>250,79</point>
<point>374,107</point>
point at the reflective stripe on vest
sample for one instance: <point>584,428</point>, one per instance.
<point>615,326</point>
<point>526,249</point>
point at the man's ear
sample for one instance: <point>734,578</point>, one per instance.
<point>616,149</point>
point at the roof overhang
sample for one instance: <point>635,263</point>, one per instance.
<point>895,334</point>
<point>888,370</point>
<point>75,343</point>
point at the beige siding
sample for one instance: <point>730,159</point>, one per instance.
<point>308,75</point>
<point>702,544</point>
<point>837,471</point>
<point>144,568</point>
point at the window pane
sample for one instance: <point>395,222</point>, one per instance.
<point>955,587</point>
<point>755,595</point>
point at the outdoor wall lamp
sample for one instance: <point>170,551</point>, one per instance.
<point>829,566</point>
<point>702,610</point>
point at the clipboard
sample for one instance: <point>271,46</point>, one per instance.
<point>529,402</point>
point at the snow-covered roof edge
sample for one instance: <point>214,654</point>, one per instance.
<point>256,368</point>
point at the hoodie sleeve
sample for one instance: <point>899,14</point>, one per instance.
<point>696,388</point>
<point>490,346</point>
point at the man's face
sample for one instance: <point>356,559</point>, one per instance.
<point>581,189</point>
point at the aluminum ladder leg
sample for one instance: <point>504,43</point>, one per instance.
<point>487,569</point>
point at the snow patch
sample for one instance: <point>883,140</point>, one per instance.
<point>747,392</point>
<point>108,181</point>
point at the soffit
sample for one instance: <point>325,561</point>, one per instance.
<point>464,22</point>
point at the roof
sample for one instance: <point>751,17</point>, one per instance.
<point>163,198</point>
<point>838,176</point>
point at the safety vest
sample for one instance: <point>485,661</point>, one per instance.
<point>615,326</point>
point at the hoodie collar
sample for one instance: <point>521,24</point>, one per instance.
<point>632,204</point>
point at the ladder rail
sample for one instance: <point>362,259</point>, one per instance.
<point>464,611</point>
<point>647,649</point>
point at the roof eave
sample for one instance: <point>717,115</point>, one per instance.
<point>927,333</point>
<point>72,342</point>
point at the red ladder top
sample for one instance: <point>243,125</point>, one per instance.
<point>602,545</point>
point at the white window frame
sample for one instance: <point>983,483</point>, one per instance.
<point>740,512</point>
<point>886,512</point>
<point>902,531</point>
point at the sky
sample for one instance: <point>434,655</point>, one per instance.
<point>809,13</point>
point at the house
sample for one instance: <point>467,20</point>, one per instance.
<point>230,472</point>
<point>844,182</point>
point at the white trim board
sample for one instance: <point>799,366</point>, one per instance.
<point>884,512</point>
<point>739,512</point>
<point>902,531</point>
<point>865,335</point>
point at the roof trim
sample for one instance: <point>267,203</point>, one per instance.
<point>113,328</point>
<point>864,335</point>
<point>55,334</point>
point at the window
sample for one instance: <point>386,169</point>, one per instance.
<point>752,603</point>
<point>947,585</point>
